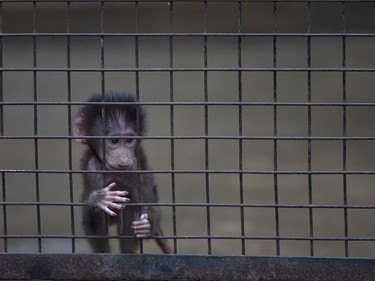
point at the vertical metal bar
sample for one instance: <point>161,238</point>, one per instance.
<point>138,133</point>
<point>138,115</point>
<point>344,131</point>
<point>275,131</point>
<point>240,130</point>
<point>137,92</point>
<point>136,43</point>
<point>1,72</point>
<point>208,215</point>
<point>102,65</point>
<point>36,145</point>
<point>102,59</point>
<point>5,223</point>
<point>70,157</point>
<point>309,121</point>
<point>171,98</point>
<point>102,81</point>
<point>5,218</point>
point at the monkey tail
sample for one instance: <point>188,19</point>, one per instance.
<point>162,243</point>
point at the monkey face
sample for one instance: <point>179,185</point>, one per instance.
<point>120,154</point>
<point>120,123</point>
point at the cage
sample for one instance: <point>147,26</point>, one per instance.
<point>258,112</point>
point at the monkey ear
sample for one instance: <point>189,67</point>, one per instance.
<point>78,127</point>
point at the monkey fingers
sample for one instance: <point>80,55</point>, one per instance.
<point>108,205</point>
<point>108,197</point>
<point>142,227</point>
<point>144,233</point>
<point>105,208</point>
<point>116,197</point>
<point>109,187</point>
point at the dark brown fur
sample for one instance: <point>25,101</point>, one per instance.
<point>92,120</point>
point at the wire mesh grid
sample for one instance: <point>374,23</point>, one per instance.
<point>259,119</point>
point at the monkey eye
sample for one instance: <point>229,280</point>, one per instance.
<point>130,141</point>
<point>114,141</point>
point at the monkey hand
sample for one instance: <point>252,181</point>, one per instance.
<point>108,200</point>
<point>142,227</point>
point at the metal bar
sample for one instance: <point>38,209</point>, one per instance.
<point>275,131</point>
<point>36,141</point>
<point>344,131</point>
<point>69,97</point>
<point>201,103</point>
<point>240,127</point>
<point>309,131</point>
<point>195,237</point>
<point>5,217</point>
<point>229,205</point>
<point>175,267</point>
<point>187,69</point>
<point>265,138</point>
<point>186,34</point>
<point>1,73</point>
<point>213,1</point>
<point>137,92</point>
<point>197,171</point>
<point>206,117</point>
<point>172,126</point>
<point>2,132</point>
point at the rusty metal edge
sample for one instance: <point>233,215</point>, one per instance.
<point>181,267</point>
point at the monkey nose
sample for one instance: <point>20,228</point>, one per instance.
<point>125,164</point>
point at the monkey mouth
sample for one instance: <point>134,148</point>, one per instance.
<point>119,167</point>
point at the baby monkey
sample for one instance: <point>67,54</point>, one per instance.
<point>107,193</point>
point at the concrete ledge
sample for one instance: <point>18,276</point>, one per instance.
<point>180,267</point>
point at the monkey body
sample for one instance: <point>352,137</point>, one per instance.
<point>108,192</point>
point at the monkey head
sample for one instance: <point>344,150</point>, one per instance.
<point>115,117</point>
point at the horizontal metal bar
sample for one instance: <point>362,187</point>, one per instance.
<point>188,237</point>
<point>265,138</point>
<point>194,1</point>
<point>181,267</point>
<point>184,34</point>
<point>192,103</point>
<point>213,205</point>
<point>253,172</point>
<point>186,69</point>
